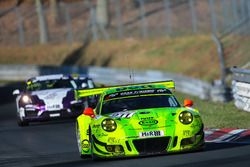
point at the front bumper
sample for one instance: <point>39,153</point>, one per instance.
<point>149,146</point>
<point>38,115</point>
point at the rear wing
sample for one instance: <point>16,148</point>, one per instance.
<point>96,91</point>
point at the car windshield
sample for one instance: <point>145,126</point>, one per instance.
<point>51,84</point>
<point>84,83</point>
<point>139,102</point>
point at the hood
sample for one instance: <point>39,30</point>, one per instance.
<point>52,98</point>
<point>146,118</point>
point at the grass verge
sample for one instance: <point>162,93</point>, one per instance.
<point>193,55</point>
<point>218,115</point>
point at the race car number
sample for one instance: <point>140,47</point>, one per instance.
<point>124,114</point>
<point>151,133</point>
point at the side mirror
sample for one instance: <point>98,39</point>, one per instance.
<point>188,103</point>
<point>16,92</point>
<point>89,111</point>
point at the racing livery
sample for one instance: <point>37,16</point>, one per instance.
<point>137,119</point>
<point>49,97</point>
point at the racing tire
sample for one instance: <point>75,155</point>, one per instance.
<point>22,122</point>
<point>93,156</point>
<point>201,148</point>
<point>79,142</point>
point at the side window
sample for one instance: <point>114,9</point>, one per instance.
<point>98,108</point>
<point>90,83</point>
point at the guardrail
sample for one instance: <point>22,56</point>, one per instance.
<point>241,88</point>
<point>111,76</point>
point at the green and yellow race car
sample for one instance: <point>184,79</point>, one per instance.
<point>137,119</point>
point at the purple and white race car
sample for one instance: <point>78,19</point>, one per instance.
<point>50,97</point>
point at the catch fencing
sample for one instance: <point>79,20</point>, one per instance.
<point>241,88</point>
<point>76,21</point>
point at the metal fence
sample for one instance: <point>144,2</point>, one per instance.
<point>128,18</point>
<point>235,39</point>
<point>241,88</point>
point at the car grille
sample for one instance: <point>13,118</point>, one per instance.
<point>151,145</point>
<point>31,113</point>
<point>47,113</point>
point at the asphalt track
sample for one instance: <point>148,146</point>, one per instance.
<point>53,144</point>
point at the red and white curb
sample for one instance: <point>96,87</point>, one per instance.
<point>227,135</point>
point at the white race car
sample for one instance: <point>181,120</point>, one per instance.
<point>50,97</point>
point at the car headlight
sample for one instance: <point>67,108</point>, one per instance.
<point>109,125</point>
<point>186,117</point>
<point>26,99</point>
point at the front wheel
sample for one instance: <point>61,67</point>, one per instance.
<point>93,156</point>
<point>79,143</point>
<point>21,122</point>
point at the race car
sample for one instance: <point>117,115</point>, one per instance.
<point>50,97</point>
<point>136,120</point>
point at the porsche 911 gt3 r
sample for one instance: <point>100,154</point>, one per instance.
<point>49,97</point>
<point>139,119</point>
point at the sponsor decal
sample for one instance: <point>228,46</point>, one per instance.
<point>137,92</point>
<point>134,87</point>
<point>154,133</point>
<point>54,106</point>
<point>128,92</point>
<point>144,112</point>
<point>113,95</point>
<point>186,133</point>
<point>85,145</point>
<point>113,140</point>
<point>148,121</point>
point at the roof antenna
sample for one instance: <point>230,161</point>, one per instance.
<point>131,71</point>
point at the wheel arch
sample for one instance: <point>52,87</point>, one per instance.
<point>83,123</point>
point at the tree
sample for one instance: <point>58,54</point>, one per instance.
<point>54,9</point>
<point>43,28</point>
<point>102,13</point>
